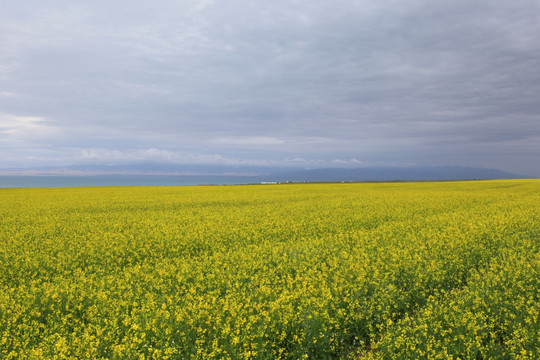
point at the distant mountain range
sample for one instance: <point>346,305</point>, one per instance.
<point>275,174</point>
<point>394,174</point>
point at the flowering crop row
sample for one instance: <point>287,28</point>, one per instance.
<point>321,271</point>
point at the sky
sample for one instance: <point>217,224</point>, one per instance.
<point>348,83</point>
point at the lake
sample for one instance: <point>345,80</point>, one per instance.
<point>50,181</point>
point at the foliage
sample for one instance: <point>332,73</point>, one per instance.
<point>377,271</point>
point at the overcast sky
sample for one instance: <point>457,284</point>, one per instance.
<point>284,82</point>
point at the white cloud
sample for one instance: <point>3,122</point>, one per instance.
<point>106,155</point>
<point>16,126</point>
<point>150,155</point>
<point>153,155</point>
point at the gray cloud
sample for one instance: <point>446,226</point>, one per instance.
<point>416,82</point>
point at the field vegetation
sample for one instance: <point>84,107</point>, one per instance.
<point>321,271</point>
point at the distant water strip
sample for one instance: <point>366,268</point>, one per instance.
<point>50,181</point>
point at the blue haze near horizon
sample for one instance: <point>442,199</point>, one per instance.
<point>313,175</point>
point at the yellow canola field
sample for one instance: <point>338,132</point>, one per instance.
<point>313,271</point>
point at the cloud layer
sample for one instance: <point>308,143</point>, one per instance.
<point>385,83</point>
